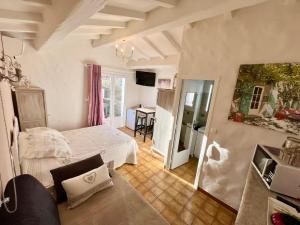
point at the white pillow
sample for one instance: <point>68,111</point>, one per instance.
<point>47,131</point>
<point>82,187</point>
<point>42,145</point>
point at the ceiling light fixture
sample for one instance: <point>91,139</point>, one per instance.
<point>124,50</point>
<point>10,68</point>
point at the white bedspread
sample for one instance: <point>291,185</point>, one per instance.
<point>111,143</point>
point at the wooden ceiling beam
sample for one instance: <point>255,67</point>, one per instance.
<point>166,3</point>
<point>153,62</point>
<point>104,23</point>
<point>85,36</point>
<point>154,48</point>
<point>187,11</point>
<point>39,3</point>
<point>172,41</point>
<point>19,35</point>
<point>82,30</point>
<point>63,17</point>
<point>23,17</point>
<point>14,27</point>
<point>142,52</point>
<point>122,12</point>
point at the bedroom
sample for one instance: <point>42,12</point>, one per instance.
<point>196,41</point>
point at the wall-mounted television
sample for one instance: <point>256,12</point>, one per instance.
<point>145,78</point>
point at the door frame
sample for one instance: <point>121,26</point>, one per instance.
<point>112,120</point>
<point>182,157</point>
<point>207,132</point>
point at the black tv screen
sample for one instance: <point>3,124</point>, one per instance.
<point>145,78</point>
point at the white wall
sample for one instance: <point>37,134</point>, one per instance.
<point>61,72</point>
<point>148,95</point>
<point>214,49</point>
<point>6,127</point>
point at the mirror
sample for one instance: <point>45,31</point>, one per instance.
<point>187,120</point>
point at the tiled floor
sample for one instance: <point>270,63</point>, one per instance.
<point>174,198</point>
<point>187,171</point>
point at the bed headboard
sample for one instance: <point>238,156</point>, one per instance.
<point>15,146</point>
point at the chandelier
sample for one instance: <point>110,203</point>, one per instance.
<point>10,68</point>
<point>124,50</point>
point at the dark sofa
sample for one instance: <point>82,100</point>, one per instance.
<point>36,206</point>
<point>118,205</point>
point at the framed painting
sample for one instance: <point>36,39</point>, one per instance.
<point>268,95</point>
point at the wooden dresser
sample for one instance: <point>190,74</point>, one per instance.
<point>30,107</point>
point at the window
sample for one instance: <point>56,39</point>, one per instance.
<point>255,101</point>
<point>113,88</point>
<point>106,91</point>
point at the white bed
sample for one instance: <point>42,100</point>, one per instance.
<point>111,143</point>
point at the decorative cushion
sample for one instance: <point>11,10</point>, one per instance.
<point>43,145</point>
<point>47,131</point>
<point>82,187</point>
<point>73,170</point>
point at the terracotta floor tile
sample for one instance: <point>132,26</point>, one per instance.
<point>224,218</point>
<point>178,221</point>
<point>172,192</point>
<point>148,173</point>
<point>149,196</point>
<point>165,197</point>
<point>187,192</point>
<point>202,215</point>
<point>172,196</point>
<point>197,221</point>
<point>134,182</point>
<point>187,216</point>
<point>169,215</point>
<point>173,205</point>
<point>155,179</point>
<point>141,188</point>
<point>158,205</point>
<point>182,199</point>
<point>149,184</point>
<point>162,185</point>
<point>178,186</point>
<point>156,191</point>
<point>210,209</point>
<point>194,208</point>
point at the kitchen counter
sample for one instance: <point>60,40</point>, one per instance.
<point>254,205</point>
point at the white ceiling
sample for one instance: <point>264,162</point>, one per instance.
<point>101,23</point>
<point>153,27</point>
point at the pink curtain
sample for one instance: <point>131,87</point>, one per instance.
<point>96,104</point>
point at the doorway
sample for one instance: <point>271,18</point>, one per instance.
<point>113,88</point>
<point>194,107</point>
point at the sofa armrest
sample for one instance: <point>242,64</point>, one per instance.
<point>36,206</point>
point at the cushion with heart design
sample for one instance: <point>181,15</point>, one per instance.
<point>82,187</point>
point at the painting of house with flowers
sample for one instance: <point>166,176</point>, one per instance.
<point>268,95</point>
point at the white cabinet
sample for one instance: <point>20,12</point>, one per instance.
<point>130,118</point>
<point>200,134</point>
<point>197,138</point>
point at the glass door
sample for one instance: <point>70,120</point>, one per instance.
<point>118,94</point>
<point>113,95</point>
<point>106,90</point>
